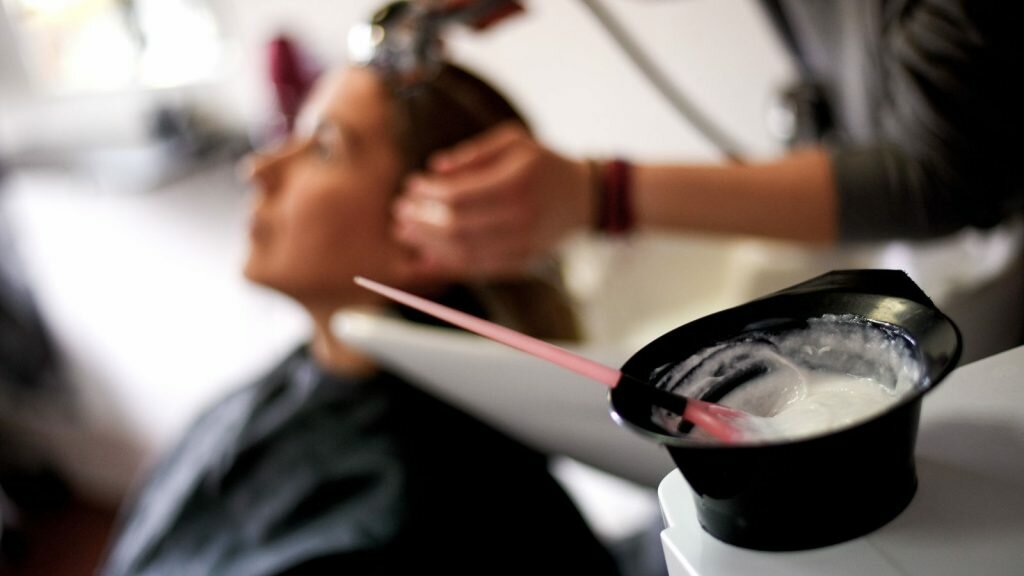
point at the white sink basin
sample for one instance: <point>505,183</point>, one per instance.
<point>541,404</point>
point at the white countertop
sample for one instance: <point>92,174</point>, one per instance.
<point>966,518</point>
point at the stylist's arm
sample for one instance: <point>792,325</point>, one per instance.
<point>495,203</point>
<point>492,205</point>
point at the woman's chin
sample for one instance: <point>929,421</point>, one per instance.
<point>253,272</point>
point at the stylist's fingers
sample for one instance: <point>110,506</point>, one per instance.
<point>490,203</point>
<point>420,220</point>
<point>511,200</point>
<point>509,176</point>
<point>458,190</point>
<point>480,149</point>
<point>487,243</point>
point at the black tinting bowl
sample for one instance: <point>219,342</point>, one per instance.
<point>800,494</point>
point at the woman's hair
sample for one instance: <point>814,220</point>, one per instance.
<point>440,113</point>
<point>450,107</point>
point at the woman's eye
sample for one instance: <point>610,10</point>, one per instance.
<point>327,143</point>
<point>325,150</point>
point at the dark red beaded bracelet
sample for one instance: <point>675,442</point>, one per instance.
<point>615,202</point>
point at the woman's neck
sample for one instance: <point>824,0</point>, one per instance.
<point>333,354</point>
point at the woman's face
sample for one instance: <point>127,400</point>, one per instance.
<point>322,199</point>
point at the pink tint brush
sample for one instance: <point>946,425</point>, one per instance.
<point>719,421</point>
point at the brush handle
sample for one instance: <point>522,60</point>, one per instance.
<point>655,396</point>
<point>715,419</point>
<point>554,354</point>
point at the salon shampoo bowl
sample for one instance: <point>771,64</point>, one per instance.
<point>542,405</point>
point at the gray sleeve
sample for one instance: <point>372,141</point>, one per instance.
<point>946,115</point>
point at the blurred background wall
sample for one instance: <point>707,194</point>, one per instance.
<point>576,86</point>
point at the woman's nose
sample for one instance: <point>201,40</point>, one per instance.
<point>265,168</point>
<point>256,168</point>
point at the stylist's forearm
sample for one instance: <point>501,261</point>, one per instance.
<point>793,198</point>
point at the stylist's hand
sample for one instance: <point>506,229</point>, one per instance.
<point>492,205</point>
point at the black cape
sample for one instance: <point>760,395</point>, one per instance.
<point>306,472</point>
